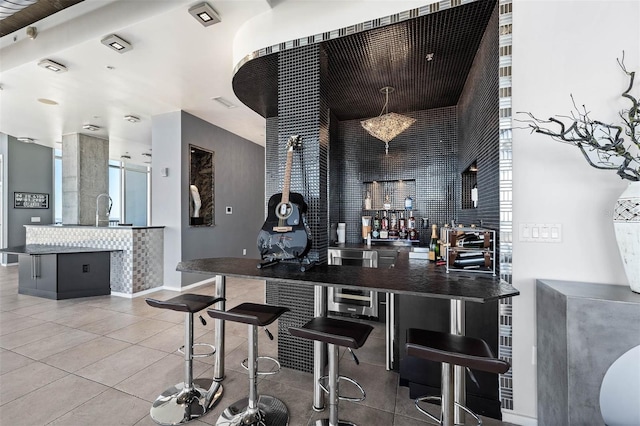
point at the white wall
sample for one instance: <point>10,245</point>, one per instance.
<point>166,143</point>
<point>562,48</point>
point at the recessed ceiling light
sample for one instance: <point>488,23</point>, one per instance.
<point>26,140</point>
<point>118,44</point>
<point>146,154</point>
<point>226,102</point>
<point>91,127</point>
<point>205,14</point>
<point>52,66</point>
<point>125,156</point>
<point>132,118</point>
<point>47,101</point>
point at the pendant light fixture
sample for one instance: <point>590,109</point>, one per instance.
<point>387,125</point>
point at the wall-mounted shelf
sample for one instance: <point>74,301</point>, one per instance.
<point>397,190</point>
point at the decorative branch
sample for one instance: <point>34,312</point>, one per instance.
<point>602,145</point>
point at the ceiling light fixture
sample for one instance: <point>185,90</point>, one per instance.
<point>118,44</point>
<point>52,66</point>
<point>205,14</point>
<point>47,101</point>
<point>91,127</point>
<point>26,140</point>
<point>225,102</point>
<point>132,118</point>
<point>125,157</point>
<point>387,125</point>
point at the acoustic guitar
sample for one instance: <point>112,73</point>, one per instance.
<point>285,234</point>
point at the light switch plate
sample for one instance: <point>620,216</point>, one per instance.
<point>540,232</point>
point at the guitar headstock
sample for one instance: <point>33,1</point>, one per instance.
<point>294,142</point>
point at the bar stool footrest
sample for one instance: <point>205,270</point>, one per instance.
<point>199,355</point>
<point>438,399</point>
<point>343,398</point>
<point>325,422</point>
<point>245,365</point>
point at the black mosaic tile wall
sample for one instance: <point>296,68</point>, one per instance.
<point>426,153</point>
<point>478,134</point>
<point>302,111</point>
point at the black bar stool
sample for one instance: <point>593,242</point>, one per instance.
<point>190,399</point>
<point>256,410</point>
<point>335,332</point>
<point>450,350</point>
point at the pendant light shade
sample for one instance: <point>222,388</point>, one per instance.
<point>388,125</point>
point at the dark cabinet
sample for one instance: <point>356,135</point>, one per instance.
<point>65,276</point>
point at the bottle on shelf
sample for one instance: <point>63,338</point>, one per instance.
<point>414,235</point>
<point>384,226</point>
<point>408,202</point>
<point>387,202</point>
<point>367,201</point>
<point>375,232</point>
<point>393,226</point>
<point>402,227</point>
<point>434,247</point>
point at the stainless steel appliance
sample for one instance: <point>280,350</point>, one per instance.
<point>350,301</point>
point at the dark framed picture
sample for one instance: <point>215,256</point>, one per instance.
<point>30,200</point>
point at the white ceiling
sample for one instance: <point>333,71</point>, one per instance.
<point>176,64</point>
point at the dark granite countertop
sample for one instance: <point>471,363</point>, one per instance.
<point>95,227</point>
<point>413,277</point>
<point>51,249</point>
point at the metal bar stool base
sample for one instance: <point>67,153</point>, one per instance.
<point>438,421</point>
<point>325,422</point>
<point>271,412</point>
<point>176,405</point>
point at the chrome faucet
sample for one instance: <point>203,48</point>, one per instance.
<point>108,210</point>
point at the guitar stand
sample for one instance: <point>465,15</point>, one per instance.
<point>268,263</point>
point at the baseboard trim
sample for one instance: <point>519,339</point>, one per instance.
<point>519,419</point>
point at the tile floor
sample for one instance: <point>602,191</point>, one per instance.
<point>103,360</point>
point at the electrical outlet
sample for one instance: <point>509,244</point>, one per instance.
<point>85,268</point>
<point>244,252</point>
<point>229,210</point>
<point>35,219</point>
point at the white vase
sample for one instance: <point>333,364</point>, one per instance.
<point>626,223</point>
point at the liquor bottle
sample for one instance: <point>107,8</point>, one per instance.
<point>402,227</point>
<point>393,226</point>
<point>434,247</point>
<point>384,226</point>
<point>408,203</point>
<point>367,201</point>
<point>375,233</point>
<point>387,202</point>
<point>411,222</point>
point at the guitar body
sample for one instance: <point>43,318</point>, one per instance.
<point>285,234</point>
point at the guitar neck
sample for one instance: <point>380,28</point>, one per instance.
<point>287,177</point>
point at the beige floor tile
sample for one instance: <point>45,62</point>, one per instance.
<point>49,402</point>
<point>110,408</point>
<point>121,365</point>
<point>113,322</point>
<point>10,361</point>
<point>30,335</point>
<point>139,331</point>
<point>25,380</point>
<point>17,324</point>
<point>52,345</point>
<point>80,356</point>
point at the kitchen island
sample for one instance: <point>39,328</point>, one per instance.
<point>136,266</point>
<point>62,272</point>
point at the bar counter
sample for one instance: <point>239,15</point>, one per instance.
<point>408,277</point>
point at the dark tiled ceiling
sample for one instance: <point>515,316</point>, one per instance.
<point>395,55</point>
<point>33,13</point>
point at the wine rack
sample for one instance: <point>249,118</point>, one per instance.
<point>470,249</point>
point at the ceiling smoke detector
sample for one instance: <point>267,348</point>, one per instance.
<point>52,66</point>
<point>91,127</point>
<point>116,43</point>
<point>204,14</point>
<point>132,118</point>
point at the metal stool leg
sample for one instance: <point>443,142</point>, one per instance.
<point>334,390</point>
<point>187,400</point>
<point>256,410</point>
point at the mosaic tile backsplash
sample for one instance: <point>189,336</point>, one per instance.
<point>138,267</point>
